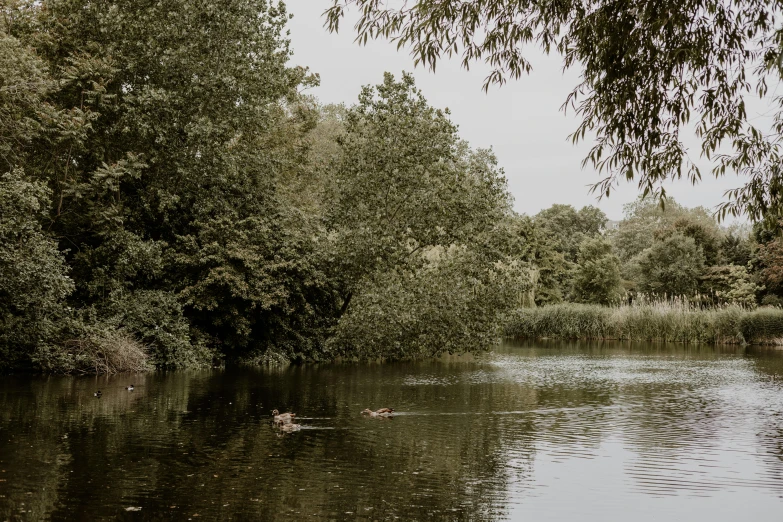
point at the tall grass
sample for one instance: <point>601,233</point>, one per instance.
<point>675,321</point>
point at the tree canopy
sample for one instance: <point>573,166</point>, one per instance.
<point>648,69</point>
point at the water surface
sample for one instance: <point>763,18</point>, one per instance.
<point>535,431</point>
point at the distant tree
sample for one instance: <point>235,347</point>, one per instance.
<point>645,220</point>
<point>647,68</point>
<point>563,229</point>
<point>672,266</point>
<point>737,247</point>
<point>731,284</point>
<point>568,228</point>
<point>771,260</point>
<point>597,273</point>
<point>705,233</point>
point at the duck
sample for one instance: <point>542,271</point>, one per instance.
<point>286,418</point>
<point>129,388</point>
<point>383,412</point>
<point>289,427</point>
<point>97,394</point>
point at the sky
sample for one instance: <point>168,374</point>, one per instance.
<point>521,121</point>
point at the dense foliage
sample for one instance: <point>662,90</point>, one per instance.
<point>170,198</point>
<point>167,189</point>
<point>648,69</point>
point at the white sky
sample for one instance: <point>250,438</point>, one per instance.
<point>521,121</point>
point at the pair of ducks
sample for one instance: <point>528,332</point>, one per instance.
<point>99,393</point>
<point>285,421</point>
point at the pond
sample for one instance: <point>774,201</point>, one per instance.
<point>531,431</point>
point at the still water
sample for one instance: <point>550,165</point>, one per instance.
<point>536,431</point>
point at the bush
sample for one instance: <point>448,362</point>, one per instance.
<point>99,351</point>
<point>450,304</point>
<point>762,326</point>
<point>156,318</point>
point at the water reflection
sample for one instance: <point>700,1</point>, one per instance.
<point>530,431</point>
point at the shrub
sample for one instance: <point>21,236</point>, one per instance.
<point>450,304</point>
<point>99,351</point>
<point>155,317</point>
<point>762,326</point>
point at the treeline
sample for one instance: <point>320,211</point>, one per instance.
<point>171,197</point>
<point>657,254</point>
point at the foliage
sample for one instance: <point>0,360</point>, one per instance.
<point>451,303</point>
<point>597,274</point>
<point>672,267</point>
<point>156,319</point>
<point>33,275</point>
<point>406,193</point>
<point>731,284</point>
<point>164,161</point>
<point>98,351</point>
<point>562,229</point>
<point>404,179</point>
<point>568,227</point>
<point>660,322</point>
<point>771,258</point>
<point>647,68</point>
<point>737,248</point>
<point>645,221</point>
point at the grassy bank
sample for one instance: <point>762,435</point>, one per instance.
<point>649,322</point>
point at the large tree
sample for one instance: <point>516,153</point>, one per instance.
<point>648,68</point>
<point>405,181</point>
<point>162,130</point>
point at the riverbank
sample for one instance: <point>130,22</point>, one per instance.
<point>649,322</point>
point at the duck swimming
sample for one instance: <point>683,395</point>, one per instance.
<point>285,418</point>
<point>383,412</point>
<point>97,394</point>
<point>129,388</point>
<point>289,427</point>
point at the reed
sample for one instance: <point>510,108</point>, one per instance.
<point>658,321</point>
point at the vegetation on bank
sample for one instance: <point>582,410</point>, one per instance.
<point>659,322</point>
<point>183,202</point>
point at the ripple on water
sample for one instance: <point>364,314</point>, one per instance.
<point>523,433</point>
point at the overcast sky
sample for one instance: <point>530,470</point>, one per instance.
<point>521,121</point>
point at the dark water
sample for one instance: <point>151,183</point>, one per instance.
<point>531,432</point>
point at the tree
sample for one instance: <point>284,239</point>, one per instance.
<point>731,284</point>
<point>33,275</point>
<point>771,259</point>
<point>568,227</point>
<point>645,221</point>
<point>597,274</point>
<point>672,267</point>
<point>404,181</point>
<point>449,301</point>
<point>647,68</point>
<point>563,229</point>
<point>737,247</point>
<point>162,131</point>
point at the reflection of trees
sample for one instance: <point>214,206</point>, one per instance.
<point>204,443</point>
<point>469,432</point>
